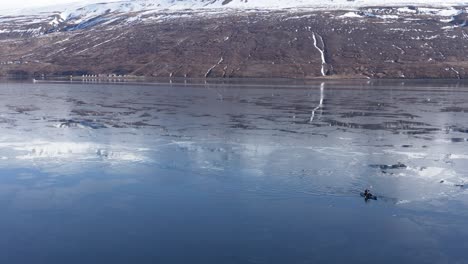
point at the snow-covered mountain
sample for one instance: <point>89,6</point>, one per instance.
<point>83,14</point>
<point>238,38</point>
<point>80,12</point>
<point>102,6</point>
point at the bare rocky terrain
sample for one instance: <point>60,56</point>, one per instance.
<point>387,42</point>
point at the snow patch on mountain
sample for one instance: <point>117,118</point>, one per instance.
<point>89,7</point>
<point>88,14</point>
<point>91,14</point>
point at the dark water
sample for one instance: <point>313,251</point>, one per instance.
<point>215,173</point>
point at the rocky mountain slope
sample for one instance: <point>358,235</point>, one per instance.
<point>239,38</point>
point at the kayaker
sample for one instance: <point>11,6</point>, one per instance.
<point>367,194</point>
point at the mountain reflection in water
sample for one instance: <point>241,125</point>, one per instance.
<point>233,174</point>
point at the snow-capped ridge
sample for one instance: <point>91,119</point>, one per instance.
<point>88,7</point>
<point>78,14</point>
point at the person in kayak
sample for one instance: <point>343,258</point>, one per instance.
<point>367,194</point>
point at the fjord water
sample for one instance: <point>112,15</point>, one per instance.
<point>232,173</point>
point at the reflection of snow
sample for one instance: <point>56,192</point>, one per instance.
<point>431,172</point>
<point>322,89</point>
<point>197,138</point>
<point>74,151</point>
<point>411,155</point>
<point>461,156</point>
<point>403,202</point>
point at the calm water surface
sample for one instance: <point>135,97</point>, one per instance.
<point>112,173</point>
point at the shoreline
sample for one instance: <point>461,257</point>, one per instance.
<point>256,83</point>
